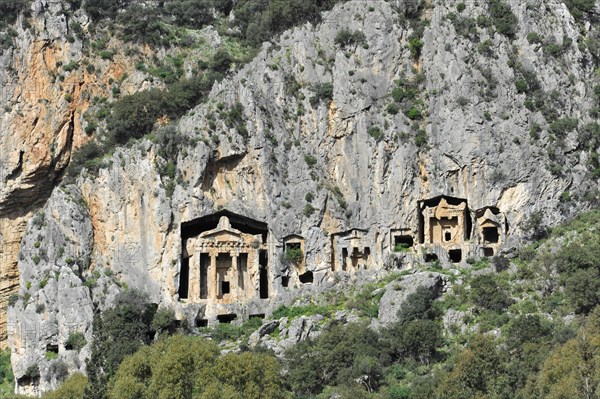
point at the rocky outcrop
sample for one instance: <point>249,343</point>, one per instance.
<point>55,302</point>
<point>396,293</point>
<point>368,127</point>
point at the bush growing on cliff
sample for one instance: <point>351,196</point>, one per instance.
<point>10,10</point>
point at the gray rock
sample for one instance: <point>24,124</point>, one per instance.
<point>397,292</point>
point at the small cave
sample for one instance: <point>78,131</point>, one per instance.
<point>455,255</point>
<point>226,318</point>
<point>257,316</point>
<point>490,235</point>
<point>25,381</point>
<point>431,257</point>
<point>285,281</point>
<point>403,242</point>
<point>488,252</point>
<point>306,278</point>
<point>52,348</point>
<point>201,323</point>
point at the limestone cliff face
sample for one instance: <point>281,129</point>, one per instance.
<point>46,91</point>
<point>310,115</point>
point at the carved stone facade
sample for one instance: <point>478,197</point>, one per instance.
<point>223,265</point>
<point>351,250</point>
<point>445,223</point>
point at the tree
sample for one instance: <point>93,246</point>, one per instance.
<point>72,388</point>
<point>168,369</point>
<point>416,339</point>
<point>339,356</point>
<point>242,376</point>
<point>478,372</point>
<point>117,333</point>
<point>417,306</point>
<point>487,294</point>
<point>583,290</point>
<point>573,369</point>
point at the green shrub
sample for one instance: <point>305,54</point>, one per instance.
<point>375,132</point>
<point>164,321</point>
<point>392,108</point>
<point>323,92</point>
<point>308,210</point>
<point>534,37</point>
<point>503,18</point>
<point>580,8</point>
<point>487,293</point>
<point>75,341</point>
<point>13,299</point>
<point>414,46</point>
<point>421,138</point>
<point>561,127</point>
<point>521,86</point>
<point>413,113</point>
<point>51,355</point>
<point>417,306</point>
<point>346,37</point>
<point>310,160</point>
<point>33,371</point>
<point>460,7</point>
<point>293,255</point>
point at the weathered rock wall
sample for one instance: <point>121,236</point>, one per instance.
<point>288,142</point>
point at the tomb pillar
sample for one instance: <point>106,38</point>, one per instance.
<point>194,282</point>
<point>235,275</point>
<point>212,276</point>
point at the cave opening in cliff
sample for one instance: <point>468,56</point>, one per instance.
<point>488,252</point>
<point>226,318</point>
<point>306,278</point>
<point>52,348</point>
<point>263,279</point>
<point>257,316</point>
<point>403,242</point>
<point>201,323</point>
<point>344,258</point>
<point>184,278</point>
<point>431,257</point>
<point>455,255</point>
<point>490,235</point>
<point>285,281</point>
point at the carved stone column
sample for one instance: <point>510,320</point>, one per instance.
<point>213,289</point>
<point>235,278</point>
